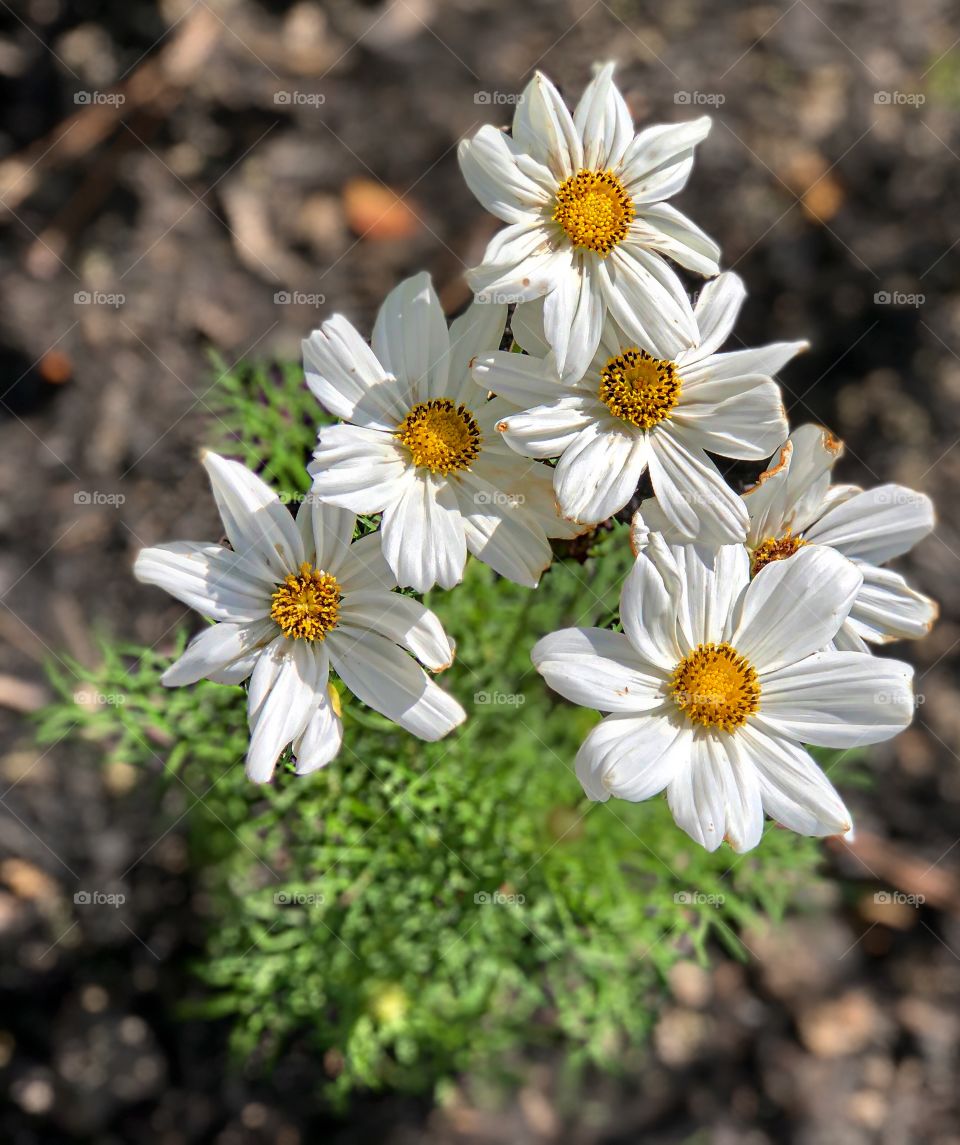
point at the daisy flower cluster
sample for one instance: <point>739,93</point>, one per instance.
<point>747,624</point>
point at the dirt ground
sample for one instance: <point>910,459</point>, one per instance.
<point>273,162</point>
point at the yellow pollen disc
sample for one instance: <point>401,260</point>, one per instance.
<point>594,209</point>
<point>441,437</point>
<point>774,549</point>
<point>716,687</point>
<point>639,389</point>
<point>307,605</point>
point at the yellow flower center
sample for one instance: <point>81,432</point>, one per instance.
<point>716,687</point>
<point>775,549</point>
<point>441,437</point>
<point>307,605</point>
<point>594,209</point>
<point>639,389</point>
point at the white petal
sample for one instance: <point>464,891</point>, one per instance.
<point>545,431</point>
<point>423,538</point>
<point>346,378</point>
<point>509,248</point>
<point>663,228</point>
<point>489,165</point>
<point>791,490</point>
<point>392,683</point>
<point>488,414</point>
<point>262,683</point>
<point>528,488</point>
<point>838,699</point>
<point>477,332</point>
<point>404,621</point>
<point>837,495</point>
<point>696,795</point>
<point>521,263</point>
<point>498,529</point>
<point>603,121</point>
<point>648,520</point>
<point>794,790</point>
<point>518,378</point>
<point>877,524</point>
<point>740,782</point>
<point>283,693</point>
<point>540,503</point>
<point>410,337</point>
<point>718,304</point>
<point>543,126</point>
<point>253,518</point>
<point>794,607</point>
<point>326,532</point>
<point>599,471</point>
<point>647,300</point>
<point>649,603</point>
<point>236,671</point>
<point>218,648</point>
<point>209,578</point>
<point>526,325</point>
<point>598,669</point>
<point>848,640</point>
<point>887,608</point>
<point>573,314</point>
<point>657,164</point>
<point>320,740</point>
<point>763,360</point>
<point>363,470</point>
<point>713,582</point>
<point>716,795</point>
<point>691,492</point>
<point>748,425</point>
<point>364,566</point>
<point>631,757</point>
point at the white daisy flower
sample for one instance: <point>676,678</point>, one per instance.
<point>588,224</point>
<point>419,443</point>
<point>633,411</point>
<point>715,682</point>
<point>793,505</point>
<point>291,599</point>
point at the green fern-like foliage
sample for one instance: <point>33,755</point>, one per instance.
<point>266,417</point>
<point>418,909</point>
